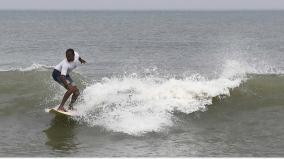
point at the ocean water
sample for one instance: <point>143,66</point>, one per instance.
<point>157,83</point>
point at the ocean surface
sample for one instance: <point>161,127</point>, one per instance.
<point>156,83</point>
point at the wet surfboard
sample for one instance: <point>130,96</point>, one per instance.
<point>59,112</point>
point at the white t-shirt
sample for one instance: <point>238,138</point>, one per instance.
<point>66,67</point>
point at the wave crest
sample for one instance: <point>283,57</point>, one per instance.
<point>34,66</point>
<point>136,105</point>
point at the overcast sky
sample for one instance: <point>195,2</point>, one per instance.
<point>142,4</point>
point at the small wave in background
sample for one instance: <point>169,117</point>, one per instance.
<point>33,67</point>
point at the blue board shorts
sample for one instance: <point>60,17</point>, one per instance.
<point>56,76</point>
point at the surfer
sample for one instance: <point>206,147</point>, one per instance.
<point>61,74</point>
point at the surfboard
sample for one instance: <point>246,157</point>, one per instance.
<point>59,112</point>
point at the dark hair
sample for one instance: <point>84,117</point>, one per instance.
<point>70,51</point>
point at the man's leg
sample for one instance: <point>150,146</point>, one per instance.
<point>65,98</point>
<point>75,95</point>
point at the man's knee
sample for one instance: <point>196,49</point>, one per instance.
<point>70,91</point>
<point>73,89</point>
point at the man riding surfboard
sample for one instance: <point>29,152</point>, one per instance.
<point>61,74</point>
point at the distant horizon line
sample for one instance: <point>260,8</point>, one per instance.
<point>31,9</point>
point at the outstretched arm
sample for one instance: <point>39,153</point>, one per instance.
<point>82,61</point>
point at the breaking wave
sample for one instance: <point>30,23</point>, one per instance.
<point>137,105</point>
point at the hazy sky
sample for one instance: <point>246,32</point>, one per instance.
<point>142,4</point>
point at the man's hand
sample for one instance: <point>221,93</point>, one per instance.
<point>82,61</point>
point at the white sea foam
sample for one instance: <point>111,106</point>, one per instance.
<point>136,105</point>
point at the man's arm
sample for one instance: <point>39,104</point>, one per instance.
<point>63,79</point>
<point>82,61</point>
<point>64,71</point>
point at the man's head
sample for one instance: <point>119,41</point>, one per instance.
<point>70,55</point>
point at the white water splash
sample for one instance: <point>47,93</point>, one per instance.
<point>136,105</point>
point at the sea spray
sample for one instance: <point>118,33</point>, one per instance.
<point>136,105</point>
